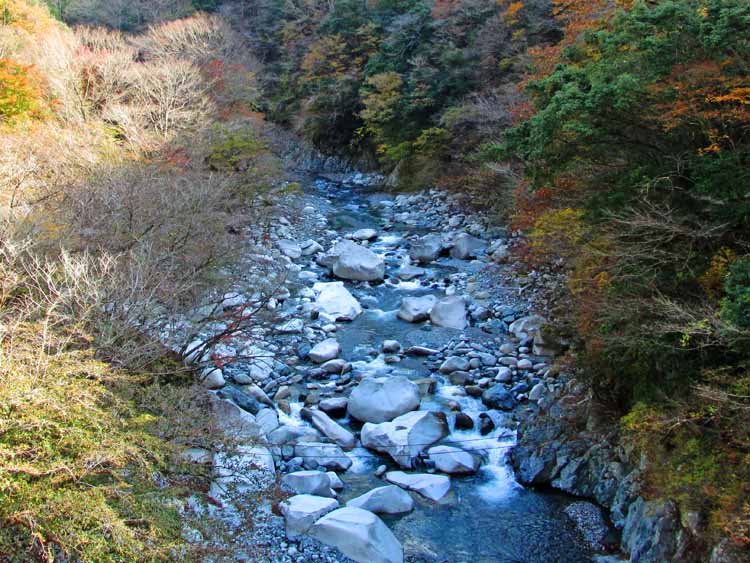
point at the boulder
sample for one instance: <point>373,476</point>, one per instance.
<point>391,347</point>
<point>310,247</point>
<point>302,511</point>
<point>407,273</point>
<point>384,500</point>
<point>334,300</point>
<point>293,326</point>
<point>426,249</point>
<point>407,436</point>
<point>335,406</point>
<point>212,378</point>
<point>363,234</point>
<point>454,363</point>
<point>326,350</point>
<point>498,397</point>
<point>308,483</point>
<point>383,399</point>
<point>327,456</point>
<point>526,326</point>
<point>289,248</point>
<point>463,421</point>
<point>358,534</point>
<point>455,461</point>
<point>355,262</point>
<point>332,430</point>
<point>433,487</point>
<point>449,312</point>
<point>416,309</point>
<point>466,246</point>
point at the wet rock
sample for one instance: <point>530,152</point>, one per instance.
<point>302,511</point>
<point>391,347</point>
<point>433,487</point>
<point>407,273</point>
<point>486,424</point>
<point>335,407</point>
<point>455,461</point>
<point>416,309</point>
<point>324,351</point>
<point>498,397</point>
<point>449,312</point>
<point>454,363</point>
<point>384,500</point>
<point>406,436</point>
<point>355,262</point>
<point>463,421</point>
<point>383,399</point>
<point>334,300</point>
<point>358,534</point>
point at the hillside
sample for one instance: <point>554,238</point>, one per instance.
<point>179,186</point>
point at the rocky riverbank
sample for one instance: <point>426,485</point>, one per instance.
<point>383,385</point>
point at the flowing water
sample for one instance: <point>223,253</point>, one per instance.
<point>488,517</point>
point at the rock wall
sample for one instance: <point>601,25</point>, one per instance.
<point>567,443</point>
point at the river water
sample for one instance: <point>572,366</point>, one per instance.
<point>488,517</point>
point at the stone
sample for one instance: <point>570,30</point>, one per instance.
<point>293,326</point>
<point>537,392</point>
<point>212,378</point>
<point>526,326</point>
<point>310,247</point>
<point>416,309</point>
<point>463,421</point>
<point>466,246</point>
<point>334,300</point>
<point>384,500</point>
<point>455,461</point>
<point>268,420</point>
<point>336,482</point>
<point>407,436</point>
<point>498,397</point>
<point>486,424</point>
<point>317,454</point>
<point>383,399</point>
<point>421,351</point>
<point>355,262</point>
<point>651,529</point>
<point>407,273</point>
<point>454,363</point>
<point>358,534</point>
<point>426,249</point>
<point>302,511</point>
<point>504,375</point>
<point>196,455</point>
<point>433,487</point>
<point>391,347</point>
<point>335,407</point>
<point>308,482</point>
<point>326,350</point>
<point>364,234</point>
<point>332,430</point>
<point>449,312</point>
<point>289,248</point>
<point>337,365</point>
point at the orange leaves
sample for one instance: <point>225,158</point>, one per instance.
<point>21,89</point>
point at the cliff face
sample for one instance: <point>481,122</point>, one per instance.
<point>566,442</point>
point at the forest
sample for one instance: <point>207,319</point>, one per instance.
<point>612,136</point>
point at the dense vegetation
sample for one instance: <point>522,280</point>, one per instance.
<point>116,150</point>
<point>612,133</point>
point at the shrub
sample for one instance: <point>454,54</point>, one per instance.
<point>21,90</point>
<point>735,307</point>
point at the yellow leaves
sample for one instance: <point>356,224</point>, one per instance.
<point>739,95</point>
<point>712,280</point>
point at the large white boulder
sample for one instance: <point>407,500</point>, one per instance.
<point>355,262</point>
<point>235,422</point>
<point>363,234</point>
<point>407,436</point>
<point>526,326</point>
<point>319,455</point>
<point>383,399</point>
<point>334,300</point>
<point>358,534</point>
<point>332,430</point>
<point>308,483</point>
<point>302,511</point>
<point>384,500</point>
<point>326,350</point>
<point>416,309</point>
<point>426,249</point>
<point>433,487</point>
<point>466,246</point>
<point>455,461</point>
<point>449,312</point>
